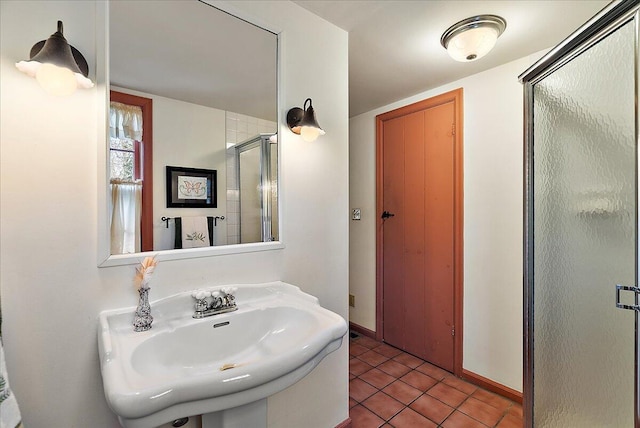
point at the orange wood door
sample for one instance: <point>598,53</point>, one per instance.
<point>419,239</point>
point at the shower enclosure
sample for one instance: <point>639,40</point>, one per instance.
<point>255,187</point>
<point>581,227</point>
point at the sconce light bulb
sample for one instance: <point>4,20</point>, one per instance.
<point>309,133</point>
<point>59,81</point>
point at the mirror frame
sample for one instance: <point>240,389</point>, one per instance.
<point>105,258</point>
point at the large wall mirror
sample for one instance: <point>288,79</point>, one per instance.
<point>192,157</point>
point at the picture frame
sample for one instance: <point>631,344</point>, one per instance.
<point>191,187</point>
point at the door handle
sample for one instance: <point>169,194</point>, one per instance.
<point>620,305</point>
<point>386,215</point>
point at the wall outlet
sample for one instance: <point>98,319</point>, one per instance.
<point>355,214</point>
<point>352,300</point>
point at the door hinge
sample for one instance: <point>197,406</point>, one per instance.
<point>453,331</point>
<point>453,129</point>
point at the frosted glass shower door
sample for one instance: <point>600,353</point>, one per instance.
<point>583,232</point>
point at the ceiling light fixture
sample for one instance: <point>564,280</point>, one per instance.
<point>57,66</point>
<point>473,38</point>
<point>303,122</point>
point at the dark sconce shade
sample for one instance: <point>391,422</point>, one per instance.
<point>57,66</point>
<point>303,122</point>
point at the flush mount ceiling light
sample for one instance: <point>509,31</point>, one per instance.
<point>303,122</point>
<point>57,66</point>
<point>473,38</point>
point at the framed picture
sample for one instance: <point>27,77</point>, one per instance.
<point>191,187</point>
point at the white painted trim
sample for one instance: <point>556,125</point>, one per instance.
<point>191,253</point>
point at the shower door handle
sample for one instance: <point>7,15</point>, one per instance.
<point>621,305</point>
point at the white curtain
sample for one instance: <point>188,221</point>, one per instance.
<point>126,202</point>
<point>125,121</point>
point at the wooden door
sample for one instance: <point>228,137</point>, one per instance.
<point>421,189</point>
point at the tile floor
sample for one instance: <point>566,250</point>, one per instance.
<point>390,388</point>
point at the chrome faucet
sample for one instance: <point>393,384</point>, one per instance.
<point>215,302</point>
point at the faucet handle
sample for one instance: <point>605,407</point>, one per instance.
<point>229,290</point>
<point>199,294</point>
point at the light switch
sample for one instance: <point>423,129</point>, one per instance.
<point>355,214</point>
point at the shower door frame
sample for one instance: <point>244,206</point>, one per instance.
<point>262,142</point>
<point>607,21</point>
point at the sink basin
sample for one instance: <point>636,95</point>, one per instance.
<point>185,366</point>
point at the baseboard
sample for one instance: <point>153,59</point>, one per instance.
<point>344,424</point>
<point>362,330</point>
<point>492,386</point>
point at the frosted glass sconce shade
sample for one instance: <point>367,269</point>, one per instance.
<point>303,122</point>
<point>473,38</point>
<point>57,66</point>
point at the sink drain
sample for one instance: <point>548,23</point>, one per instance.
<point>179,422</point>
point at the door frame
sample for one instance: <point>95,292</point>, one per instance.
<point>455,96</point>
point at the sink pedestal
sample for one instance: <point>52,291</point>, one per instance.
<point>252,415</point>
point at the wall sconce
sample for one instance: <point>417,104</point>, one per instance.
<point>473,38</point>
<point>303,122</point>
<point>57,66</point>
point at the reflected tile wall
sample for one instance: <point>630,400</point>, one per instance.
<point>239,128</point>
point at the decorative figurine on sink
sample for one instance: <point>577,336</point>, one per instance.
<point>221,301</point>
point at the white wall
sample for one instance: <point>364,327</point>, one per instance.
<point>493,141</point>
<point>52,290</point>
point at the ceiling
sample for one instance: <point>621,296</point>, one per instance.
<point>394,45</point>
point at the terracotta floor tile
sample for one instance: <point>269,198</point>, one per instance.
<point>401,386</point>
<point>357,366</point>
<point>419,380</point>
<point>383,405</point>
<point>459,384</point>
<point>394,369</point>
<point>362,417</point>
<point>411,419</point>
<point>387,350</point>
<point>402,392</point>
<point>408,360</point>
<point>367,342</point>
<point>516,410</point>
<point>377,378</point>
<point>433,409</point>
<point>491,399</point>
<point>460,420</point>
<point>355,349</point>
<point>435,372</point>
<point>481,411</point>
<point>373,358</point>
<point>360,390</point>
<point>447,394</point>
<point>510,421</point>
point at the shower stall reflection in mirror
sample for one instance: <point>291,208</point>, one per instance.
<point>252,190</point>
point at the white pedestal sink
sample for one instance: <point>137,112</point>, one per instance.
<point>212,366</point>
